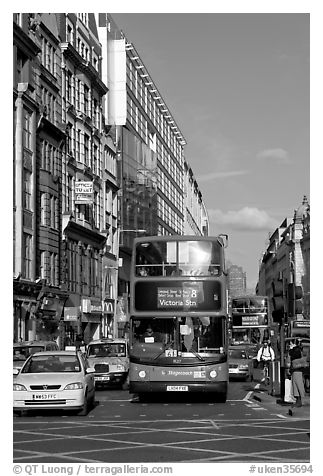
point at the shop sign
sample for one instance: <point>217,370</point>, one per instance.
<point>89,306</point>
<point>108,306</point>
<point>84,193</point>
<point>71,313</point>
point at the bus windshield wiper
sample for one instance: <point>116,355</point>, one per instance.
<point>167,346</point>
<point>197,355</point>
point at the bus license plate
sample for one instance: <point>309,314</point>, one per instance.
<point>177,388</point>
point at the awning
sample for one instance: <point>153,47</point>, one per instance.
<point>93,317</point>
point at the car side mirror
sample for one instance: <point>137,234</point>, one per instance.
<point>15,371</point>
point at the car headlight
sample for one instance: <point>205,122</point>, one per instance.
<point>243,366</point>
<point>213,373</point>
<point>18,387</point>
<point>74,386</point>
<point>120,368</point>
<point>142,374</point>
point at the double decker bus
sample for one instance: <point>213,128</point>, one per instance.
<point>179,315</point>
<point>249,319</point>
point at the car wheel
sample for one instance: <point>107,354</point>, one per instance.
<point>85,409</point>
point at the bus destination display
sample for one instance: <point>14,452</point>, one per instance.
<point>178,297</point>
<point>185,296</point>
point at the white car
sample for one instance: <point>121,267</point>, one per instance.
<point>110,358</point>
<point>54,380</point>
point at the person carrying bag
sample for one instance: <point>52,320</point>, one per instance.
<point>297,364</point>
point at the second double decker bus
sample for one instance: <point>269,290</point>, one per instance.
<point>178,315</point>
<point>250,319</point>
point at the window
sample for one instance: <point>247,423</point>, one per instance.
<point>86,149</point>
<point>54,217</point>
<point>69,34</point>
<point>48,55</point>
<point>53,263</point>
<point>69,79</point>
<point>27,130</point>
<point>95,159</point>
<point>27,190</point>
<point>27,250</point>
<point>86,100</point>
<point>84,17</point>
<point>43,209</point>
<point>78,145</point>
<point>70,193</point>
<point>42,269</point>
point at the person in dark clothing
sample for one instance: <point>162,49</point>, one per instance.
<point>295,352</point>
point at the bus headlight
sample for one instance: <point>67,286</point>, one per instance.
<point>213,373</point>
<point>142,374</point>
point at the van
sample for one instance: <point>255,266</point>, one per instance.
<point>22,350</point>
<point>110,359</point>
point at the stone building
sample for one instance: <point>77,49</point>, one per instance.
<point>237,280</point>
<point>60,142</point>
<point>98,159</point>
<point>284,271</point>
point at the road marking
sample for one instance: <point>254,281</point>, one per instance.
<point>214,425</point>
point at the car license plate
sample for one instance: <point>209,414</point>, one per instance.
<point>44,396</point>
<point>177,388</point>
<point>100,379</point>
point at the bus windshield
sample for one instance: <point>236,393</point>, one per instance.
<point>178,336</point>
<point>249,305</point>
<point>179,258</point>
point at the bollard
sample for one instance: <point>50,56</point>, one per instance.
<point>274,378</point>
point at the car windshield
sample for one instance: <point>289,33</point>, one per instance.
<point>237,354</point>
<point>22,352</point>
<point>107,350</point>
<point>52,363</point>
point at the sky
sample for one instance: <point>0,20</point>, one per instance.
<point>238,86</point>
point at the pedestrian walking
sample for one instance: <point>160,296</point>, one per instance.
<point>297,367</point>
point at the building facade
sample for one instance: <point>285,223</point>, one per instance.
<point>284,271</point>
<point>158,192</point>
<point>98,160</point>
<point>237,281</point>
<point>62,175</point>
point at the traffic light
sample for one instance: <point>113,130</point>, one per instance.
<point>278,301</point>
<point>295,299</point>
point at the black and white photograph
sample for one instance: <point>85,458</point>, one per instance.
<point>161,240</point>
